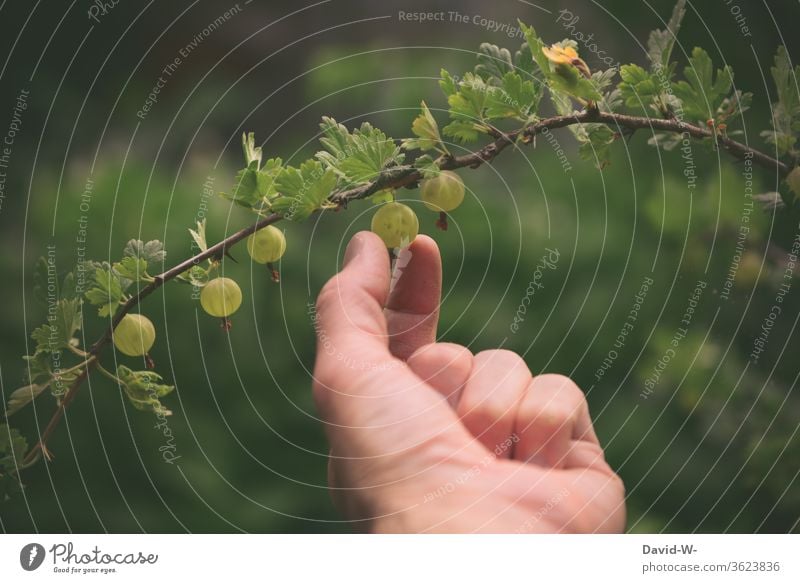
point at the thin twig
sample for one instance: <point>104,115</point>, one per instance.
<point>398,178</point>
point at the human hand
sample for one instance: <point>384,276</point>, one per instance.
<point>426,436</point>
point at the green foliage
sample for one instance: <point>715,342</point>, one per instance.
<point>786,111</point>
<point>105,291</point>
<point>152,253</point>
<point>144,389</point>
<point>703,93</point>
<point>661,42</point>
<point>64,319</point>
<point>426,129</point>
<point>303,190</point>
<point>358,157</point>
<point>12,449</point>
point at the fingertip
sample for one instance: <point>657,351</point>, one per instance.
<point>364,244</point>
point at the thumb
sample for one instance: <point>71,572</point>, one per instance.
<point>372,403</point>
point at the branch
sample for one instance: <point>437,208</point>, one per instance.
<point>398,178</point>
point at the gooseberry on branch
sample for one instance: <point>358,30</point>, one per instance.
<point>396,224</point>
<point>267,245</point>
<point>134,335</point>
<point>221,297</point>
<point>443,193</point>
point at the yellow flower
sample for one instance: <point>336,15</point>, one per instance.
<point>566,56</point>
<point>560,55</point>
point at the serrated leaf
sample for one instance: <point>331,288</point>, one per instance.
<point>463,131</point>
<point>702,93</point>
<point>38,367</point>
<point>131,268</point>
<point>358,157</point>
<point>513,98</point>
<point>493,63</point>
<point>252,154</point>
<point>524,63</point>
<point>447,83</point>
<point>105,291</point>
<point>303,190</point>
<point>12,448</point>
<point>64,319</point>
<point>266,177</point>
<point>427,166</point>
<point>12,451</point>
<point>426,129</point>
<point>245,190</point>
<point>22,396</point>
<point>152,252</point>
<point>470,99</point>
<point>661,42</point>
<point>568,79</point>
<point>593,139</point>
<point>144,389</point>
<point>638,87</point>
<point>535,46</point>
<point>199,236</point>
<point>786,111</point>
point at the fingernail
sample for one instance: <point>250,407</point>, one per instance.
<point>353,249</point>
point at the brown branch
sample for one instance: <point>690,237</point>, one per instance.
<point>398,178</point>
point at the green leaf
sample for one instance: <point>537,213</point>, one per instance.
<point>535,45</point>
<point>524,63</point>
<point>702,94</point>
<point>786,111</point>
<point>638,87</point>
<point>493,63</point>
<point>12,451</point>
<point>303,190</point>
<point>514,98</point>
<point>594,139</point>
<point>152,252</point>
<point>38,367</point>
<point>64,319</point>
<point>132,268</point>
<point>144,389</point>
<point>467,100</point>
<point>426,129</point>
<point>427,166</point>
<point>252,155</point>
<point>382,196</point>
<point>568,79</point>
<point>245,191</point>
<point>595,146</point>
<point>105,291</point>
<point>464,131</point>
<point>199,236</point>
<point>358,157</point>
<point>22,396</point>
<point>265,180</point>
<point>661,42</point>
<point>448,84</point>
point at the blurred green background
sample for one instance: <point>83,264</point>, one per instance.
<point>714,448</point>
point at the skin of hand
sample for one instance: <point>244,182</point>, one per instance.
<point>426,436</point>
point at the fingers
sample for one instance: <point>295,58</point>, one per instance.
<point>445,367</point>
<point>489,400</point>
<point>412,311</point>
<point>554,426</point>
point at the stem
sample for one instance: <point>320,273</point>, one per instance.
<point>397,178</point>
